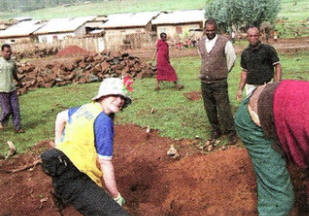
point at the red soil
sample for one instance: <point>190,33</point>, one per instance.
<point>72,51</point>
<point>220,183</point>
<point>193,96</point>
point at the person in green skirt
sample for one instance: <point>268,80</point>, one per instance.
<point>273,123</point>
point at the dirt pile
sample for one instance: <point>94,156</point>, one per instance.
<point>72,51</point>
<point>193,96</point>
<point>81,69</point>
<point>220,183</point>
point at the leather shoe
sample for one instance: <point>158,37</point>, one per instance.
<point>19,131</point>
<point>215,135</point>
<point>232,138</point>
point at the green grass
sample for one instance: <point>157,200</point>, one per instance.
<point>292,19</point>
<point>293,12</point>
<point>110,7</point>
<point>174,115</point>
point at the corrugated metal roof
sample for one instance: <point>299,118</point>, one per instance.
<point>20,19</point>
<point>97,31</point>
<point>129,19</point>
<point>21,29</point>
<point>176,17</point>
<point>94,24</point>
<point>63,25</point>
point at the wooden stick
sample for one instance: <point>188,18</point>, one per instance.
<point>12,150</point>
<point>28,166</point>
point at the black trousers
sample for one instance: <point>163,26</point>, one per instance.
<point>216,103</point>
<point>76,188</point>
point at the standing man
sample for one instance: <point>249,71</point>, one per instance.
<point>260,64</point>
<point>8,95</point>
<point>218,57</point>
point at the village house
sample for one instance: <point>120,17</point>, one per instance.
<point>58,29</point>
<point>180,25</point>
<point>20,32</point>
<point>128,29</point>
<point>96,23</point>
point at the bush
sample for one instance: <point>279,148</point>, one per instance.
<point>242,13</point>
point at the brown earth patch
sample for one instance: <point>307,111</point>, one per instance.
<point>193,96</point>
<point>72,51</point>
<point>219,183</point>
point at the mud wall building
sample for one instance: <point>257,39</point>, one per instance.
<point>20,32</point>
<point>180,24</point>
<point>58,29</point>
<point>120,27</point>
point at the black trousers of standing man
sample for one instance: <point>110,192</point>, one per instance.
<point>216,103</point>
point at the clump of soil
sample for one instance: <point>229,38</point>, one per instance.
<point>80,69</point>
<point>193,96</point>
<point>216,184</point>
<point>72,51</point>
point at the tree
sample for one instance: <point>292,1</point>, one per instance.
<point>242,13</point>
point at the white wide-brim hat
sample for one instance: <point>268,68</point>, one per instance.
<point>113,86</point>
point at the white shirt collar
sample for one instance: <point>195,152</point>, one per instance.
<point>212,40</point>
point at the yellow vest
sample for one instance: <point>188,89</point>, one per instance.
<point>79,141</point>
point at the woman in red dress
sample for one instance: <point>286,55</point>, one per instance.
<point>165,71</point>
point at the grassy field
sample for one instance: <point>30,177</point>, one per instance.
<point>174,116</point>
<point>292,19</point>
<point>111,7</point>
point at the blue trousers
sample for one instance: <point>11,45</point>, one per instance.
<point>10,106</point>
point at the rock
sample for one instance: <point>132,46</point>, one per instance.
<point>172,152</point>
<point>210,148</point>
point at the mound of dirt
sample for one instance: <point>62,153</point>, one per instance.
<point>220,183</point>
<point>71,51</point>
<point>193,96</point>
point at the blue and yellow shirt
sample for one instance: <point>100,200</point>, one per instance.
<point>88,135</point>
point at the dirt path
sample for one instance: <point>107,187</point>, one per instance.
<point>220,183</point>
<point>292,45</point>
<point>282,46</point>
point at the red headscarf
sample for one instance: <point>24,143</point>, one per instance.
<point>291,115</point>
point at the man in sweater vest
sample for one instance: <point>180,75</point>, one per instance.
<point>218,57</point>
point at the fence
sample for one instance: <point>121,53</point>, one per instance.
<point>91,44</point>
<point>142,40</point>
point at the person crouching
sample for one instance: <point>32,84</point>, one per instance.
<point>83,152</point>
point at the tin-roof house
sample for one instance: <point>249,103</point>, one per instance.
<point>22,31</point>
<point>178,24</point>
<point>58,29</point>
<point>120,26</point>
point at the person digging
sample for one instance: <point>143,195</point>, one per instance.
<point>273,123</point>
<point>82,156</point>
